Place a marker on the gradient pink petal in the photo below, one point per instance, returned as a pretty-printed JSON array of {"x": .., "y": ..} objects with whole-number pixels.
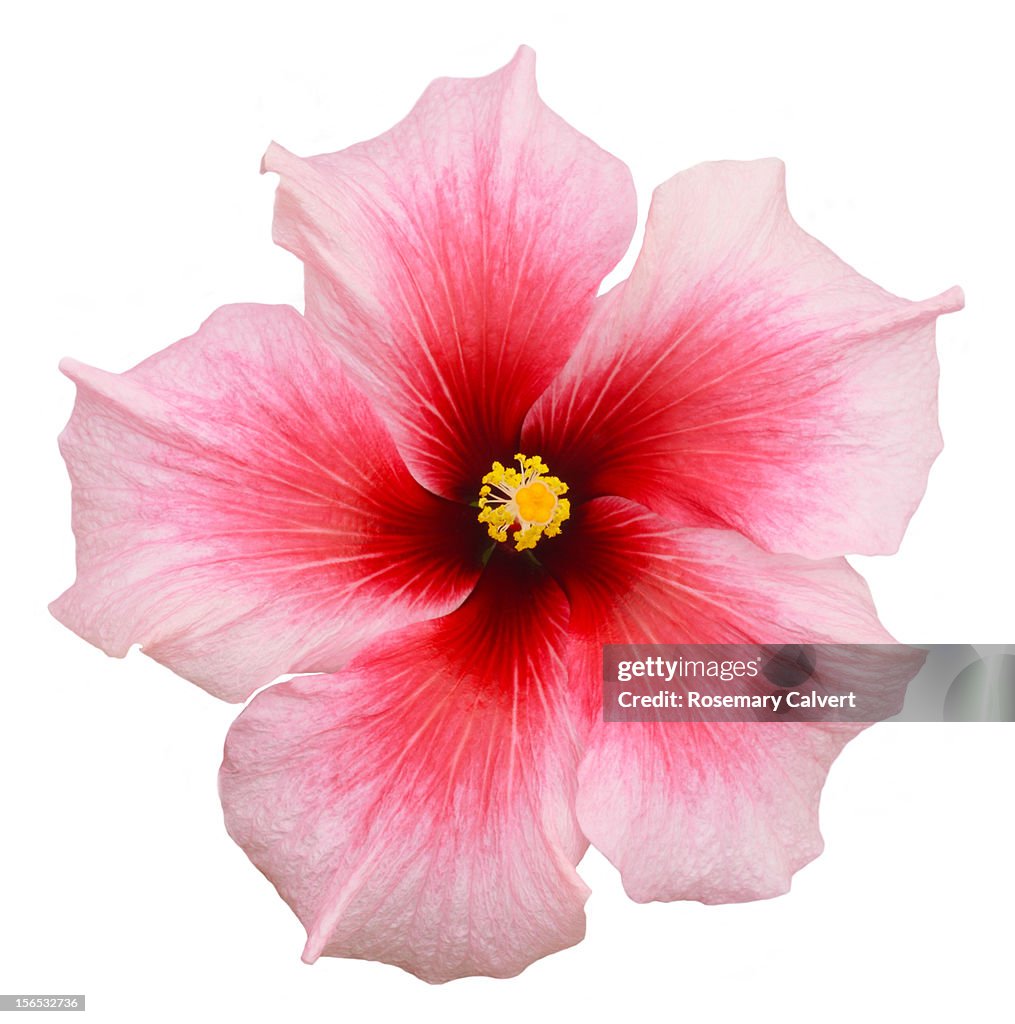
[
  {"x": 418, "y": 808},
  {"x": 240, "y": 512},
  {"x": 746, "y": 375},
  {"x": 713, "y": 812},
  {"x": 454, "y": 261}
]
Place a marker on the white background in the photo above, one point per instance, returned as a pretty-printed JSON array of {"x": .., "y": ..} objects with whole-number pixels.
[{"x": 132, "y": 207}]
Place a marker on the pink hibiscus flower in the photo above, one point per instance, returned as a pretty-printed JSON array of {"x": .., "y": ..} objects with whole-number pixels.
[{"x": 280, "y": 494}]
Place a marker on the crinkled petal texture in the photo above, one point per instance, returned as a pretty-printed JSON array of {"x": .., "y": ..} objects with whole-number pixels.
[
  {"x": 418, "y": 808},
  {"x": 747, "y": 375},
  {"x": 240, "y": 511},
  {"x": 454, "y": 261},
  {"x": 716, "y": 812}
]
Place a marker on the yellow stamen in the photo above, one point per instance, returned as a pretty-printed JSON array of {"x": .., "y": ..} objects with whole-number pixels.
[{"x": 527, "y": 498}]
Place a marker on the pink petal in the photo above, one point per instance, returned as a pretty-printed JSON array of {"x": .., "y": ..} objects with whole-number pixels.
[
  {"x": 712, "y": 812},
  {"x": 454, "y": 261},
  {"x": 418, "y": 808},
  {"x": 745, "y": 373},
  {"x": 240, "y": 511},
  {"x": 719, "y": 813}
]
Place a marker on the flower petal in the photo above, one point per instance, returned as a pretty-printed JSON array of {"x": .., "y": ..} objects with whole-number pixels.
[
  {"x": 745, "y": 372},
  {"x": 240, "y": 511},
  {"x": 455, "y": 259},
  {"x": 418, "y": 808},
  {"x": 721, "y": 811}
]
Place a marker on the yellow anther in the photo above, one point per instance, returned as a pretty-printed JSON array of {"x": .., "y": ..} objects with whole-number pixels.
[{"x": 523, "y": 504}]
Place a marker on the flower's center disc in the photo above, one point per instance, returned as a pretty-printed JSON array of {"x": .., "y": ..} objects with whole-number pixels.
[
  {"x": 535, "y": 502},
  {"x": 525, "y": 502}
]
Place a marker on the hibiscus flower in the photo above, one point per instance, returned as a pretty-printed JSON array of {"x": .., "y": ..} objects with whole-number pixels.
[{"x": 462, "y": 472}]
